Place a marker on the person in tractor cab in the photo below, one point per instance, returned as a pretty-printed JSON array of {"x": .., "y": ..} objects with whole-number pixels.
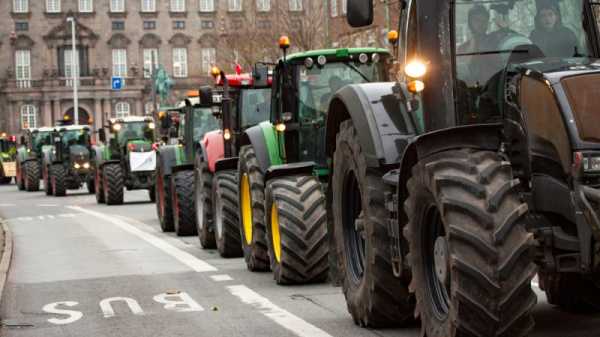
[
  {"x": 551, "y": 36},
  {"x": 479, "y": 21}
]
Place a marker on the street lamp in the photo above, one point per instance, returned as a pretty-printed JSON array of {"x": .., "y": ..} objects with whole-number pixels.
[{"x": 74, "y": 71}]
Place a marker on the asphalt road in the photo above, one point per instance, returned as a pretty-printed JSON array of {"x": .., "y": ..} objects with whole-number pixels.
[{"x": 80, "y": 269}]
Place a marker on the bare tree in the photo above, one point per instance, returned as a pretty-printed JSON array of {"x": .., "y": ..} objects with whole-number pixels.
[{"x": 307, "y": 28}]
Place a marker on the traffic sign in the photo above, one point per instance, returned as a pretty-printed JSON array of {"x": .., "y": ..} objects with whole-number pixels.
[{"x": 117, "y": 83}]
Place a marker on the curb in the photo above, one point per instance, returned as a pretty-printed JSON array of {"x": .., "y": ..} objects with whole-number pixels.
[{"x": 6, "y": 256}]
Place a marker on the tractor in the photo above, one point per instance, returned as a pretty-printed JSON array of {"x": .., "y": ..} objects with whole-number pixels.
[
  {"x": 29, "y": 157},
  {"x": 8, "y": 155},
  {"x": 283, "y": 165},
  {"x": 488, "y": 147},
  {"x": 186, "y": 126},
  {"x": 67, "y": 165},
  {"x": 126, "y": 160},
  {"x": 244, "y": 104}
]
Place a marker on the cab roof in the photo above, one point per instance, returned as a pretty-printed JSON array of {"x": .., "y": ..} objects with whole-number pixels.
[
  {"x": 72, "y": 127},
  {"x": 340, "y": 52},
  {"x": 42, "y": 129},
  {"x": 132, "y": 119}
]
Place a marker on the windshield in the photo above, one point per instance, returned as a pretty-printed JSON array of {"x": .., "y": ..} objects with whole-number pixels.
[
  {"x": 41, "y": 138},
  {"x": 75, "y": 137},
  {"x": 135, "y": 130},
  {"x": 204, "y": 121},
  {"x": 489, "y": 35},
  {"x": 256, "y": 106}
]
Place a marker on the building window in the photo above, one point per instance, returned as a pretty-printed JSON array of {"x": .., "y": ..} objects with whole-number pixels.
[
  {"x": 28, "y": 116},
  {"x": 207, "y": 5},
  {"x": 53, "y": 6},
  {"x": 23, "y": 68},
  {"x": 207, "y": 24},
  {"x": 178, "y": 24},
  {"x": 208, "y": 59},
  {"x": 86, "y": 6},
  {"x": 122, "y": 110},
  {"x": 117, "y": 6},
  {"x": 344, "y": 7},
  {"x": 68, "y": 66},
  {"x": 118, "y": 25},
  {"x": 296, "y": 5},
  {"x": 333, "y": 8},
  {"x": 148, "y": 5},
  {"x": 150, "y": 61},
  {"x": 21, "y": 26},
  {"x": 180, "y": 68},
  {"x": 119, "y": 59},
  {"x": 149, "y": 25},
  {"x": 263, "y": 24},
  {"x": 235, "y": 5},
  {"x": 263, "y": 5},
  {"x": 177, "y": 5},
  {"x": 20, "y": 6}
]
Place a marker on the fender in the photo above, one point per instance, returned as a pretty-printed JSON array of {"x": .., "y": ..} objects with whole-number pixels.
[
  {"x": 227, "y": 164},
  {"x": 213, "y": 148},
  {"x": 264, "y": 141},
  {"x": 384, "y": 125},
  {"x": 287, "y": 170},
  {"x": 169, "y": 158}
]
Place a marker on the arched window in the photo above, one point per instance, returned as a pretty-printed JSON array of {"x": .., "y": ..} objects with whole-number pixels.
[
  {"x": 28, "y": 116},
  {"x": 122, "y": 110}
]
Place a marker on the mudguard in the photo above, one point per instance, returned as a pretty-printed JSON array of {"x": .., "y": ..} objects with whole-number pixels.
[
  {"x": 227, "y": 164},
  {"x": 170, "y": 157},
  {"x": 263, "y": 139},
  {"x": 287, "y": 170},
  {"x": 213, "y": 148},
  {"x": 383, "y": 124}
]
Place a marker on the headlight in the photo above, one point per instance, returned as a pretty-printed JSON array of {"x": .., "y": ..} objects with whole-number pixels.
[
  {"x": 591, "y": 164},
  {"x": 86, "y": 165},
  {"x": 151, "y": 126},
  {"x": 76, "y": 166},
  {"x": 415, "y": 69},
  {"x": 116, "y": 127}
]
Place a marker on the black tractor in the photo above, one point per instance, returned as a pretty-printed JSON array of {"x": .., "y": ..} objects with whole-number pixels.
[
  {"x": 29, "y": 157},
  {"x": 490, "y": 151}
]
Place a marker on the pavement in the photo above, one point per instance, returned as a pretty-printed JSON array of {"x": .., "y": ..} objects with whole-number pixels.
[{"x": 82, "y": 269}]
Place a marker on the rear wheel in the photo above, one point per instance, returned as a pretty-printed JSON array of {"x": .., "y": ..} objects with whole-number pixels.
[
  {"x": 572, "y": 292},
  {"x": 203, "y": 198},
  {"x": 46, "y": 179},
  {"x": 226, "y": 218},
  {"x": 163, "y": 200},
  {"x": 99, "y": 190},
  {"x": 252, "y": 210},
  {"x": 184, "y": 212},
  {"x": 296, "y": 222},
  {"x": 469, "y": 250},
  {"x": 375, "y": 298},
  {"x": 32, "y": 176},
  {"x": 112, "y": 184},
  {"x": 58, "y": 175}
]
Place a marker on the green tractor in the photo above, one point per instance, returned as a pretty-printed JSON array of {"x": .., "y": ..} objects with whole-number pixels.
[
  {"x": 283, "y": 163},
  {"x": 126, "y": 160},
  {"x": 29, "y": 157},
  {"x": 67, "y": 164},
  {"x": 244, "y": 104},
  {"x": 490, "y": 154},
  {"x": 185, "y": 127},
  {"x": 8, "y": 155}
]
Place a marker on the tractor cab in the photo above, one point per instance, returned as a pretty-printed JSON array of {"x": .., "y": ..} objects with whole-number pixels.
[
  {"x": 130, "y": 134},
  {"x": 72, "y": 146},
  {"x": 195, "y": 117}
]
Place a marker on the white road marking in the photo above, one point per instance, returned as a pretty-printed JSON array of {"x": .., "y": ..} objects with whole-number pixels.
[
  {"x": 186, "y": 258},
  {"x": 73, "y": 314},
  {"x": 47, "y": 205},
  {"x": 108, "y": 310},
  {"x": 179, "y": 302},
  {"x": 293, "y": 323},
  {"x": 7, "y": 205},
  {"x": 221, "y": 278},
  {"x": 42, "y": 217}
]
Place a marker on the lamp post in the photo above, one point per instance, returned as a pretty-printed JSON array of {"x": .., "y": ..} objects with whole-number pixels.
[{"x": 74, "y": 71}]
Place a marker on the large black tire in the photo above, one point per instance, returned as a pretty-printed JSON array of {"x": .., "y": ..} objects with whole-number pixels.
[
  {"x": 99, "y": 189},
  {"x": 184, "y": 210},
  {"x": 375, "y": 298},
  {"x": 46, "y": 180},
  {"x": 20, "y": 177},
  {"x": 470, "y": 253},
  {"x": 203, "y": 198},
  {"x": 152, "y": 193},
  {"x": 113, "y": 183},
  {"x": 296, "y": 220},
  {"x": 32, "y": 176},
  {"x": 164, "y": 208},
  {"x": 58, "y": 175},
  {"x": 571, "y": 292},
  {"x": 226, "y": 217},
  {"x": 252, "y": 211}
]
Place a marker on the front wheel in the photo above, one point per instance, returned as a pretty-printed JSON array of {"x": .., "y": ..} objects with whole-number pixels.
[
  {"x": 112, "y": 183},
  {"x": 226, "y": 223},
  {"x": 204, "y": 200},
  {"x": 184, "y": 212},
  {"x": 469, "y": 250},
  {"x": 46, "y": 179},
  {"x": 163, "y": 200},
  {"x": 99, "y": 190},
  {"x": 296, "y": 221},
  {"x": 32, "y": 176},
  {"x": 19, "y": 177},
  {"x": 58, "y": 175}
]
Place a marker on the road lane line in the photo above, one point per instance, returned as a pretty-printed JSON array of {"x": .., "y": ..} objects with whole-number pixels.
[
  {"x": 289, "y": 321},
  {"x": 186, "y": 258},
  {"x": 221, "y": 278}
]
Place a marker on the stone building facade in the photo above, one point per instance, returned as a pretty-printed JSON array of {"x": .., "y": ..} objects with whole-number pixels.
[{"x": 114, "y": 38}]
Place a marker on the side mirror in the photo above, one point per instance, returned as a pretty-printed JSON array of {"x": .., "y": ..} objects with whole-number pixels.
[
  {"x": 360, "y": 13},
  {"x": 102, "y": 135},
  {"x": 206, "y": 96},
  {"x": 261, "y": 75}
]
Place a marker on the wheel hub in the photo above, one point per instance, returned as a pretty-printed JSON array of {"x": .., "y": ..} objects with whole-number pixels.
[{"x": 441, "y": 259}]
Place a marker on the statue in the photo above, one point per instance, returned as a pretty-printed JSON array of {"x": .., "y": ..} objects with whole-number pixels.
[{"x": 163, "y": 83}]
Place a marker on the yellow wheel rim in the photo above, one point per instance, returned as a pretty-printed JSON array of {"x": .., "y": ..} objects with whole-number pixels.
[
  {"x": 246, "y": 209},
  {"x": 275, "y": 232}
]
